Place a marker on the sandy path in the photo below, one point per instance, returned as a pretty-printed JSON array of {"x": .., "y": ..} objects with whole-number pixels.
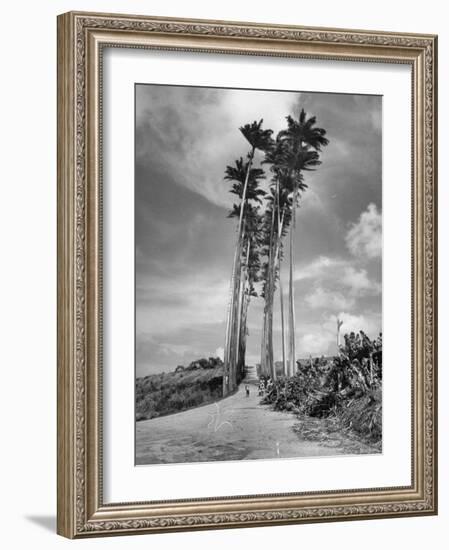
[{"x": 234, "y": 428}]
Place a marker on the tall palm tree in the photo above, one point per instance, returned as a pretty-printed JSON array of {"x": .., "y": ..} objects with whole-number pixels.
[
  {"x": 295, "y": 150},
  {"x": 245, "y": 186},
  {"x": 304, "y": 142},
  {"x": 278, "y": 214},
  {"x": 281, "y": 229},
  {"x": 245, "y": 183},
  {"x": 250, "y": 276}
]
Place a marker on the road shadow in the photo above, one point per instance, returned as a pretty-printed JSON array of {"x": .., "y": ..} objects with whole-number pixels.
[{"x": 46, "y": 522}]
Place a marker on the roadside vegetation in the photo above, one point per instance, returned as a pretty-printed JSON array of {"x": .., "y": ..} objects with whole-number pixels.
[
  {"x": 167, "y": 393},
  {"x": 346, "y": 389}
]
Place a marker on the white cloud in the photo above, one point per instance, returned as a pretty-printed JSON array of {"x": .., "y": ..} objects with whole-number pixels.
[
  {"x": 315, "y": 344},
  {"x": 165, "y": 305},
  {"x": 201, "y": 159},
  {"x": 322, "y": 267},
  {"x": 337, "y": 284},
  {"x": 321, "y": 338},
  {"x": 358, "y": 282},
  {"x": 322, "y": 298},
  {"x": 364, "y": 238},
  {"x": 371, "y": 324}
]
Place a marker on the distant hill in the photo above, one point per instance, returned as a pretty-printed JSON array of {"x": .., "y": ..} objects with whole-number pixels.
[{"x": 168, "y": 393}]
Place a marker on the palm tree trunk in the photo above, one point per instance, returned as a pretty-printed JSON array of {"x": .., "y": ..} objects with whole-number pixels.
[
  {"x": 269, "y": 304},
  {"x": 243, "y": 333},
  {"x": 284, "y": 350},
  {"x": 270, "y": 352},
  {"x": 270, "y": 359},
  {"x": 236, "y": 325},
  {"x": 280, "y": 227},
  {"x": 292, "y": 345},
  {"x": 229, "y": 356},
  {"x": 263, "y": 365},
  {"x": 226, "y": 358},
  {"x": 231, "y": 353},
  {"x": 238, "y": 307},
  {"x": 241, "y": 325},
  {"x": 273, "y": 268}
]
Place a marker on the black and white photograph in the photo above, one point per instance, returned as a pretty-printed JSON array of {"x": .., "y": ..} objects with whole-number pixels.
[
  {"x": 223, "y": 288},
  {"x": 258, "y": 274}
]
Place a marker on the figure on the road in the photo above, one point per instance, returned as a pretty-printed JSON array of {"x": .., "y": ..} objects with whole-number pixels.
[{"x": 247, "y": 390}]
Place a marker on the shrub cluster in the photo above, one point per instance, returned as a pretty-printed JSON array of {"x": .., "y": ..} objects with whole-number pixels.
[{"x": 348, "y": 386}]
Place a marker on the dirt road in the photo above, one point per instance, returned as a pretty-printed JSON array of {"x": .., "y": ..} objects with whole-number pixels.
[{"x": 234, "y": 428}]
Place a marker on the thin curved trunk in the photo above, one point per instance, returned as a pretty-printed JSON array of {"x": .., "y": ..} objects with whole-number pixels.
[
  {"x": 241, "y": 322},
  {"x": 273, "y": 267},
  {"x": 227, "y": 338},
  {"x": 234, "y": 342},
  {"x": 284, "y": 344},
  {"x": 270, "y": 353},
  {"x": 237, "y": 298},
  {"x": 243, "y": 332},
  {"x": 263, "y": 361},
  {"x": 292, "y": 344},
  {"x": 281, "y": 295},
  {"x": 268, "y": 344}
]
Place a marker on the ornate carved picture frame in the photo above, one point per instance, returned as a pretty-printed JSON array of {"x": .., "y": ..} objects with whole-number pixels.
[{"x": 83, "y": 510}]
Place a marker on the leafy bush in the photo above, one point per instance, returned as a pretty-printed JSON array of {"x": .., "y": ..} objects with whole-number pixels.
[
  {"x": 364, "y": 415},
  {"x": 204, "y": 363},
  {"x": 348, "y": 386}
]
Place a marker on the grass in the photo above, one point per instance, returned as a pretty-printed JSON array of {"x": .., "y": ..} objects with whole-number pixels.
[
  {"x": 330, "y": 432},
  {"x": 168, "y": 393}
]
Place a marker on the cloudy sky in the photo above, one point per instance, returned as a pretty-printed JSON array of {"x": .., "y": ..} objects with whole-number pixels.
[{"x": 185, "y": 137}]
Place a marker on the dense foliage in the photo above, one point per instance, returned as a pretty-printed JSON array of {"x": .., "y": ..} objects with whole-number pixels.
[{"x": 348, "y": 386}]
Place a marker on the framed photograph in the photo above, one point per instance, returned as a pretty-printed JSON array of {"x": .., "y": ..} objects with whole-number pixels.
[{"x": 247, "y": 313}]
